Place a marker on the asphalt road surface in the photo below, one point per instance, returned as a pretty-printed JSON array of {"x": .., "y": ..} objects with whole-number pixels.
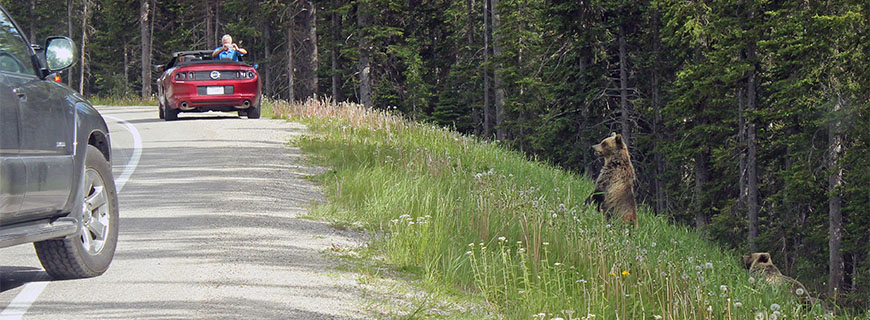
[{"x": 209, "y": 230}]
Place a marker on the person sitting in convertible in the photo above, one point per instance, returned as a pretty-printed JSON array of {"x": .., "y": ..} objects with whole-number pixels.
[{"x": 228, "y": 50}]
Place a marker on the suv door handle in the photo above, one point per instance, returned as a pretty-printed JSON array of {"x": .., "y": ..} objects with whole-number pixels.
[{"x": 20, "y": 93}]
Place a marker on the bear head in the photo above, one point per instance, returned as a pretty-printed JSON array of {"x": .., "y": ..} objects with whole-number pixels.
[
  {"x": 757, "y": 260},
  {"x": 610, "y": 146}
]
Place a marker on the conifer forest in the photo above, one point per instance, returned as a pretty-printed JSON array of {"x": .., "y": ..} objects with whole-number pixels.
[{"x": 747, "y": 120}]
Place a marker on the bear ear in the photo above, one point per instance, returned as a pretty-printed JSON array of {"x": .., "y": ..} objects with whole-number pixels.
[
  {"x": 747, "y": 261},
  {"x": 613, "y": 134},
  {"x": 618, "y": 138}
]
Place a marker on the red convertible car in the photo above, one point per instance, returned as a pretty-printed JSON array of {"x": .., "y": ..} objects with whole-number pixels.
[{"x": 193, "y": 81}]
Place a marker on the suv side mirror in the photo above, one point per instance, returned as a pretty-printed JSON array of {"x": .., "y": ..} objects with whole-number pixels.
[
  {"x": 159, "y": 68},
  {"x": 59, "y": 53}
]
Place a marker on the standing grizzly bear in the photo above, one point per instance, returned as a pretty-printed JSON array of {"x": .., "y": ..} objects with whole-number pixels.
[{"x": 614, "y": 188}]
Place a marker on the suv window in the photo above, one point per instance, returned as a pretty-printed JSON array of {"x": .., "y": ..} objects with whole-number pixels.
[{"x": 14, "y": 50}]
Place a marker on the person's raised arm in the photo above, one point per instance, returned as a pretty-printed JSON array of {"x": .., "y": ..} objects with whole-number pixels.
[
  {"x": 218, "y": 50},
  {"x": 240, "y": 50}
]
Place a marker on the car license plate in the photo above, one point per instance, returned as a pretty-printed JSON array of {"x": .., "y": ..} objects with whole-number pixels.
[{"x": 214, "y": 90}]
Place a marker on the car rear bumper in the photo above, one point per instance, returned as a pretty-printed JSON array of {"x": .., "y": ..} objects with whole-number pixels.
[{"x": 193, "y": 95}]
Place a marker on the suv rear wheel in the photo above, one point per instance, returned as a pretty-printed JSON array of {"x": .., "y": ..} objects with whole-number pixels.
[{"x": 88, "y": 253}]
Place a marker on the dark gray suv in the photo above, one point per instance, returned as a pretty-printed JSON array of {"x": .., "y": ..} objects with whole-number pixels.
[{"x": 56, "y": 184}]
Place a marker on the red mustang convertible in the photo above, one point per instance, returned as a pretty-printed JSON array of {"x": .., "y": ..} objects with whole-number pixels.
[{"x": 193, "y": 81}]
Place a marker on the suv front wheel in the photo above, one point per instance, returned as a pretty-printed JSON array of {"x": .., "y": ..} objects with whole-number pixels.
[{"x": 88, "y": 253}]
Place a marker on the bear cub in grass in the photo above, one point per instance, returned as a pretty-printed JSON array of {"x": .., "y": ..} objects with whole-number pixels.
[
  {"x": 761, "y": 267},
  {"x": 614, "y": 188}
]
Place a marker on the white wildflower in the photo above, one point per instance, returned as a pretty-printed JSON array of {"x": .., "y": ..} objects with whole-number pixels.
[
  {"x": 774, "y": 307},
  {"x": 708, "y": 265},
  {"x": 502, "y": 239},
  {"x": 800, "y": 291},
  {"x": 723, "y": 287},
  {"x": 738, "y": 304},
  {"x": 468, "y": 252},
  {"x": 759, "y": 316}
]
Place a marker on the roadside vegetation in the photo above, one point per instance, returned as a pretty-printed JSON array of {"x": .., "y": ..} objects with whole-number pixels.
[
  {"x": 129, "y": 100},
  {"x": 468, "y": 214}
]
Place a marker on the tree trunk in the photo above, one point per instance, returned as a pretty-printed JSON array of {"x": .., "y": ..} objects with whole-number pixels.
[
  {"x": 475, "y": 110},
  {"x": 210, "y": 40},
  {"x": 500, "y": 130},
  {"x": 487, "y": 110},
  {"x": 336, "y": 40},
  {"x": 835, "y": 215},
  {"x": 365, "y": 85},
  {"x": 291, "y": 68},
  {"x": 85, "y": 13},
  {"x": 33, "y": 19},
  {"x": 145, "y": 35},
  {"x": 659, "y": 183},
  {"x": 70, "y": 35},
  {"x": 217, "y": 21},
  {"x": 307, "y": 68},
  {"x": 701, "y": 176},
  {"x": 751, "y": 151},
  {"x": 126, "y": 68},
  {"x": 623, "y": 89},
  {"x": 267, "y": 63}
]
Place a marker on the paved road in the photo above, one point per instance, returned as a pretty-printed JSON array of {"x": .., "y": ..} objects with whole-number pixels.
[{"x": 208, "y": 229}]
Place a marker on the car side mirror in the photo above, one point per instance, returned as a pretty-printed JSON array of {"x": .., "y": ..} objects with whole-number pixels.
[
  {"x": 59, "y": 53},
  {"x": 159, "y": 68}
]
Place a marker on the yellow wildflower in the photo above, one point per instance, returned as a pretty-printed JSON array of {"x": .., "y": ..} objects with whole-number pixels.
[{"x": 625, "y": 273}]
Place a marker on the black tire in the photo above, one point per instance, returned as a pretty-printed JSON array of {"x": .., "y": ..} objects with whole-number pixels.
[
  {"x": 68, "y": 258},
  {"x": 160, "y": 111},
  {"x": 170, "y": 114},
  {"x": 253, "y": 112}
]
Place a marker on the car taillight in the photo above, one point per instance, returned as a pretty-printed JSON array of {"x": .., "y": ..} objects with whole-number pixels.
[
  {"x": 244, "y": 74},
  {"x": 190, "y": 75},
  {"x": 179, "y": 76},
  {"x": 57, "y": 78}
]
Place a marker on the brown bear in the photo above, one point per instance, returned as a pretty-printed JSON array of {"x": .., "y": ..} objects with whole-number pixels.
[
  {"x": 761, "y": 267},
  {"x": 614, "y": 188}
]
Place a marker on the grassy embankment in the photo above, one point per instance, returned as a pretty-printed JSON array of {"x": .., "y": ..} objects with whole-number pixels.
[
  {"x": 472, "y": 215},
  {"x": 131, "y": 100}
]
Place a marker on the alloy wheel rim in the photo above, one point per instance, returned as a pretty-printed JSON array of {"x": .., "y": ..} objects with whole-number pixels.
[{"x": 95, "y": 213}]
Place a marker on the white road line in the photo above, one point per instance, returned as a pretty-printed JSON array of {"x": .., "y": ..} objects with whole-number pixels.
[
  {"x": 16, "y": 309},
  {"x": 134, "y": 159},
  {"x": 19, "y": 305}
]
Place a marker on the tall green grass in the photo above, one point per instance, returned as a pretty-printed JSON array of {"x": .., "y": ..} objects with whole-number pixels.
[
  {"x": 130, "y": 100},
  {"x": 476, "y": 216}
]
